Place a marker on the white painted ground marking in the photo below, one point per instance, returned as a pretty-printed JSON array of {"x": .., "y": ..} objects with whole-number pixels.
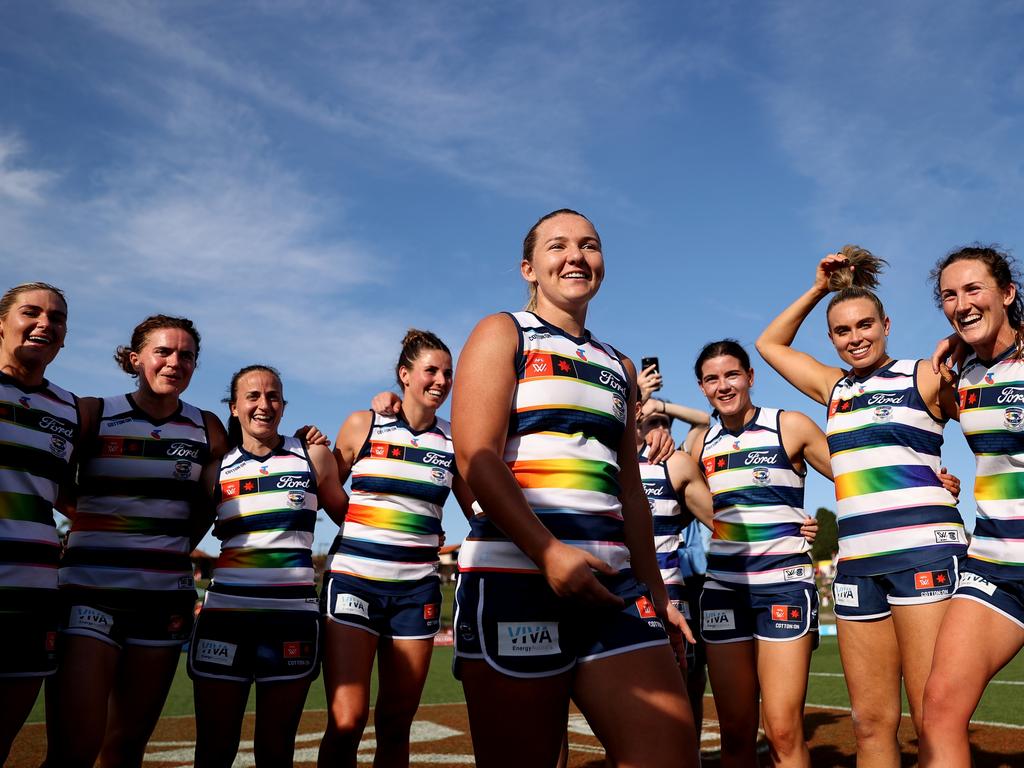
[{"x": 990, "y": 682}]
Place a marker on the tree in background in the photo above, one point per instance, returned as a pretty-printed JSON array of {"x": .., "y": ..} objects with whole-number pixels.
[{"x": 827, "y": 542}]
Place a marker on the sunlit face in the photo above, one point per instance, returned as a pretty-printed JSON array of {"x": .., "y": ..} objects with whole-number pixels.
[
  {"x": 33, "y": 330},
  {"x": 726, "y": 384},
  {"x": 567, "y": 265},
  {"x": 858, "y": 333},
  {"x": 429, "y": 380},
  {"x": 166, "y": 362},
  {"x": 974, "y": 303},
  {"x": 258, "y": 404}
]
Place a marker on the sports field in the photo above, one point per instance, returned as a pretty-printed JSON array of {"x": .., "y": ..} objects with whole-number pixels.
[{"x": 441, "y": 736}]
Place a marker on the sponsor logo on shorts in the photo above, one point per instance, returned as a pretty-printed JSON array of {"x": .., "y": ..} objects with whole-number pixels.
[
  {"x": 431, "y": 611},
  {"x": 931, "y": 579},
  {"x": 683, "y": 607},
  {"x": 176, "y": 623},
  {"x": 786, "y": 613},
  {"x": 84, "y": 617},
  {"x": 645, "y": 608},
  {"x": 951, "y": 536},
  {"x": 346, "y": 603},
  {"x": 846, "y": 595},
  {"x": 516, "y": 639},
  {"x": 216, "y": 652},
  {"x": 50, "y": 642},
  {"x": 296, "y": 649},
  {"x": 797, "y": 573},
  {"x": 719, "y": 619},
  {"x": 974, "y": 581}
]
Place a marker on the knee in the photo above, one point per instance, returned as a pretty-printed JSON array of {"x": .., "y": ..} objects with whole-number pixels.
[
  {"x": 785, "y": 735},
  {"x": 942, "y": 708},
  {"x": 875, "y": 724},
  {"x": 393, "y": 722},
  {"x": 345, "y": 719}
]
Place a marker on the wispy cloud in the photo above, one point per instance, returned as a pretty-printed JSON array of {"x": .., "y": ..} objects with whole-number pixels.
[{"x": 17, "y": 183}]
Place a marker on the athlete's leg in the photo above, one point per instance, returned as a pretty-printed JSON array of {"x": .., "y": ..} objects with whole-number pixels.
[
  {"x": 732, "y": 668},
  {"x": 636, "y": 703},
  {"x": 278, "y": 711},
  {"x": 402, "y": 667},
  {"x": 871, "y": 665},
  {"x": 348, "y": 663},
  {"x": 696, "y": 682},
  {"x": 220, "y": 708},
  {"x": 974, "y": 643},
  {"x": 17, "y": 695},
  {"x": 85, "y": 677},
  {"x": 514, "y": 721},
  {"x": 782, "y": 669},
  {"x": 144, "y": 677},
  {"x": 917, "y": 627}
]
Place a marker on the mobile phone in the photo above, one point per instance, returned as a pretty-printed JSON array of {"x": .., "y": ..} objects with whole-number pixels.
[{"x": 647, "y": 362}]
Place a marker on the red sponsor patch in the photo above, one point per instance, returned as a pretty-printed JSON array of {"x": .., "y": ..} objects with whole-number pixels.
[
  {"x": 794, "y": 613},
  {"x": 51, "y": 641},
  {"x": 931, "y": 579},
  {"x": 229, "y": 489},
  {"x": 430, "y": 611},
  {"x": 645, "y": 608},
  {"x": 378, "y": 450},
  {"x": 779, "y": 612},
  {"x": 175, "y": 624},
  {"x": 537, "y": 365},
  {"x": 292, "y": 650},
  {"x": 112, "y": 447}
]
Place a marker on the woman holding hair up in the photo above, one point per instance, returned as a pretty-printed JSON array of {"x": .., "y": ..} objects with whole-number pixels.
[
  {"x": 381, "y": 594},
  {"x": 560, "y": 595},
  {"x": 126, "y": 577},
  {"x": 984, "y": 627},
  {"x": 901, "y": 537},
  {"x": 40, "y": 427},
  {"x": 260, "y": 619}
]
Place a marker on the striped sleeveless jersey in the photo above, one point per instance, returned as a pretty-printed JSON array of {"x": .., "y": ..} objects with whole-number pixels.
[
  {"x": 266, "y": 512},
  {"x": 992, "y": 417},
  {"x": 567, "y": 420},
  {"x": 758, "y": 501},
  {"x": 400, "y": 482},
  {"x": 39, "y": 427},
  {"x": 667, "y": 514},
  {"x": 892, "y": 510},
  {"x": 137, "y": 485}
]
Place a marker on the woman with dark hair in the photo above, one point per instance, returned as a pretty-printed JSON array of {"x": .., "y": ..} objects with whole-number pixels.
[
  {"x": 560, "y": 595},
  {"x": 977, "y": 290},
  {"x": 759, "y": 606},
  {"x": 260, "y": 619},
  {"x": 126, "y": 578},
  {"x": 381, "y": 595},
  {"x": 901, "y": 537},
  {"x": 40, "y": 425}
]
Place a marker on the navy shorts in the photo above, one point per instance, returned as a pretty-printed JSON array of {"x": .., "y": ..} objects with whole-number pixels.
[
  {"x": 522, "y": 629},
  {"x": 28, "y": 638},
  {"x": 1003, "y": 596},
  {"x": 862, "y": 598},
  {"x": 411, "y": 614},
  {"x": 146, "y": 618},
  {"x": 255, "y": 645},
  {"x": 731, "y": 615}
]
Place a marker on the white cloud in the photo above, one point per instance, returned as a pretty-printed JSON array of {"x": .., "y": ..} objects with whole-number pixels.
[{"x": 19, "y": 184}]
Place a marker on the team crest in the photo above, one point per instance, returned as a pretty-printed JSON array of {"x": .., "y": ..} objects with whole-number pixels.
[
  {"x": 296, "y": 499},
  {"x": 57, "y": 445},
  {"x": 882, "y": 414},
  {"x": 437, "y": 476},
  {"x": 619, "y": 408},
  {"x": 1013, "y": 419},
  {"x": 183, "y": 470},
  {"x": 762, "y": 477}
]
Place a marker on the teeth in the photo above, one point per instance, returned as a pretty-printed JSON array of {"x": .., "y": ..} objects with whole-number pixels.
[
  {"x": 39, "y": 339},
  {"x": 574, "y": 275}
]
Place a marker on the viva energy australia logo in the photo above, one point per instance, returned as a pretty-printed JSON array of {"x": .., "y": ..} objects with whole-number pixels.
[{"x": 527, "y": 639}]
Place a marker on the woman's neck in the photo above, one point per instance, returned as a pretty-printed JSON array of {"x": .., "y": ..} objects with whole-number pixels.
[
  {"x": 736, "y": 421},
  {"x": 572, "y": 321},
  {"x": 157, "y": 406},
  {"x": 861, "y": 373},
  {"x": 25, "y": 375},
  {"x": 417, "y": 415},
  {"x": 260, "y": 447},
  {"x": 988, "y": 350}
]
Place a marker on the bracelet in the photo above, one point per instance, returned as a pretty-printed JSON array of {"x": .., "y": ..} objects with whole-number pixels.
[{"x": 662, "y": 405}]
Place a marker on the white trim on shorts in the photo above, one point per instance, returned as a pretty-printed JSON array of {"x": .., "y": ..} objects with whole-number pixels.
[
  {"x": 989, "y": 605},
  {"x": 620, "y": 651},
  {"x": 870, "y": 617},
  {"x": 46, "y": 673}
]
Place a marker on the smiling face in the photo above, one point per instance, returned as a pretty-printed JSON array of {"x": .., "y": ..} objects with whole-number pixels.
[
  {"x": 976, "y": 306},
  {"x": 32, "y": 331},
  {"x": 258, "y": 404},
  {"x": 567, "y": 266},
  {"x": 858, "y": 333},
  {"x": 166, "y": 362},
  {"x": 429, "y": 380},
  {"x": 726, "y": 384}
]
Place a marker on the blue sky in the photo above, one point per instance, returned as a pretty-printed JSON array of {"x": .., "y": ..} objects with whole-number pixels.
[{"x": 307, "y": 180}]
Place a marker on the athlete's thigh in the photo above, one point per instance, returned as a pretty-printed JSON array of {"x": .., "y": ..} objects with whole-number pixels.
[
  {"x": 732, "y": 669},
  {"x": 871, "y": 666},
  {"x": 637, "y": 705},
  {"x": 144, "y": 677},
  {"x": 917, "y": 628},
  {"x": 782, "y": 669},
  {"x": 974, "y": 643},
  {"x": 514, "y": 721},
  {"x": 402, "y": 667},
  {"x": 88, "y": 668},
  {"x": 348, "y": 664},
  {"x": 278, "y": 711},
  {"x": 220, "y": 708}
]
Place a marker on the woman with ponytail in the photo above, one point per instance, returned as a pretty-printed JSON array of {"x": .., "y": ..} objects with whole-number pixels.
[
  {"x": 977, "y": 289},
  {"x": 260, "y": 621},
  {"x": 381, "y": 595},
  {"x": 901, "y": 538},
  {"x": 126, "y": 577}
]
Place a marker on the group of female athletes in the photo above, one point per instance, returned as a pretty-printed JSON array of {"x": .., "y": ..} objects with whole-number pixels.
[{"x": 567, "y": 581}]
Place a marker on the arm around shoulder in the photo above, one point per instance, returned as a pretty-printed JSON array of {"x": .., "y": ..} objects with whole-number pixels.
[
  {"x": 330, "y": 494},
  {"x": 804, "y": 441}
]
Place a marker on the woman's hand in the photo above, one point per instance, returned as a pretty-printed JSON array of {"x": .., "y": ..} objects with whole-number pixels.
[
  {"x": 678, "y": 630},
  {"x": 648, "y": 381},
  {"x": 949, "y": 353},
  {"x": 659, "y": 441},
  {"x": 570, "y": 573},
  {"x": 825, "y": 268},
  {"x": 950, "y": 482},
  {"x": 386, "y": 403},
  {"x": 809, "y": 528},
  {"x": 309, "y": 434}
]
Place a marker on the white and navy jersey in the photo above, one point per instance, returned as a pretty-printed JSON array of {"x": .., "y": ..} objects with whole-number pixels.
[
  {"x": 567, "y": 421},
  {"x": 892, "y": 510},
  {"x": 137, "y": 487},
  {"x": 667, "y": 514},
  {"x": 992, "y": 417},
  {"x": 758, "y": 500},
  {"x": 400, "y": 482},
  {"x": 266, "y": 512},
  {"x": 38, "y": 430}
]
